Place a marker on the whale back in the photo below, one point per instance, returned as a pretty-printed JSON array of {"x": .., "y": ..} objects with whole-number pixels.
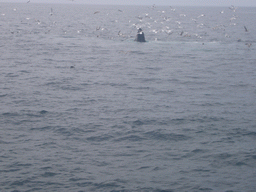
[{"x": 140, "y": 37}]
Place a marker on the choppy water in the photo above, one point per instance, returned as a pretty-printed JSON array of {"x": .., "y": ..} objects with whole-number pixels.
[{"x": 176, "y": 113}]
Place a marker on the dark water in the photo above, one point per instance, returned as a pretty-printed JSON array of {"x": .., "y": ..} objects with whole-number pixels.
[{"x": 85, "y": 108}]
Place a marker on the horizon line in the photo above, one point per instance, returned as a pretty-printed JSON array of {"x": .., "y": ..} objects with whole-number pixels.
[{"x": 79, "y": 3}]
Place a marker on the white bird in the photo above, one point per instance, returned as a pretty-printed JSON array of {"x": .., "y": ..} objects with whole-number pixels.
[
  {"x": 233, "y": 8},
  {"x": 248, "y": 44},
  {"x": 202, "y": 15},
  {"x": 51, "y": 13}
]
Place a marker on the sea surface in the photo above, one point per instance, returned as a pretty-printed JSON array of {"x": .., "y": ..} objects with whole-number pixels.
[{"x": 83, "y": 107}]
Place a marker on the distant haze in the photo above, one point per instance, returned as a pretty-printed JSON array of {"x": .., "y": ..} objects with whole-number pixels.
[{"x": 245, "y": 3}]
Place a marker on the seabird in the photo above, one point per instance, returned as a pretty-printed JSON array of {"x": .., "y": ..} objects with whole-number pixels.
[
  {"x": 233, "y": 8},
  {"x": 248, "y": 44},
  {"x": 246, "y": 30},
  {"x": 51, "y": 13}
]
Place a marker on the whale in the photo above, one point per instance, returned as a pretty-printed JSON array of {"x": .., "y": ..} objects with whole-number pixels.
[{"x": 140, "y": 37}]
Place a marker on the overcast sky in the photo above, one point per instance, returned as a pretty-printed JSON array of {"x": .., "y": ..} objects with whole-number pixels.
[{"x": 150, "y": 2}]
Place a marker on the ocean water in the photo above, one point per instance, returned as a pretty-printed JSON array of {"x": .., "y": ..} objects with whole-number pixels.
[{"x": 83, "y": 107}]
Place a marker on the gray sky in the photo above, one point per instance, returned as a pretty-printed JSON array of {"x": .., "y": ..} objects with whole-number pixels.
[{"x": 150, "y": 2}]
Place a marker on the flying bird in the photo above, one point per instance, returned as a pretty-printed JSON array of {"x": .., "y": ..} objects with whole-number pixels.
[
  {"x": 245, "y": 28},
  {"x": 51, "y": 13},
  {"x": 233, "y": 8},
  {"x": 248, "y": 44}
]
